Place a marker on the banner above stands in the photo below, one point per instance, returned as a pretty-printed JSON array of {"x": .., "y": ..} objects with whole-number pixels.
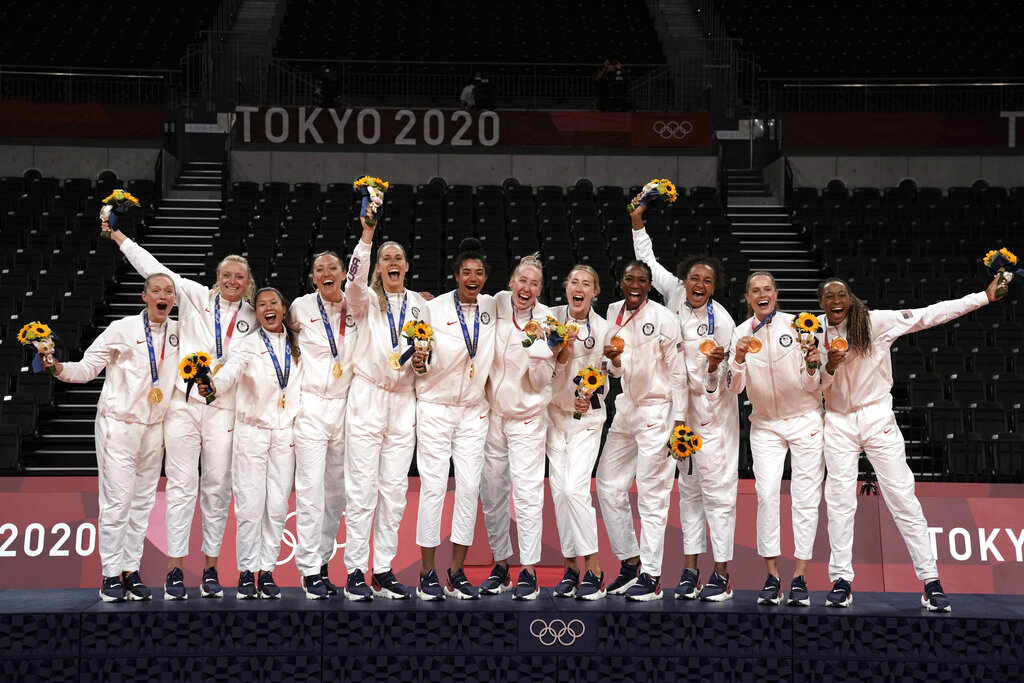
[
  {"x": 88, "y": 120},
  {"x": 946, "y": 131},
  {"x": 426, "y": 128}
]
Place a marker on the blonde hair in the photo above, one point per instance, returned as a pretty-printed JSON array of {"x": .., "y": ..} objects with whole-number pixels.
[
  {"x": 530, "y": 260},
  {"x": 153, "y": 276},
  {"x": 249, "y": 295},
  {"x": 589, "y": 270},
  {"x": 376, "y": 282}
]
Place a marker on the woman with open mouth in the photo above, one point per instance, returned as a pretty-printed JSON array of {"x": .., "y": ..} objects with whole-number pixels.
[
  {"x": 139, "y": 354},
  {"x": 267, "y": 373},
  {"x": 381, "y": 437},
  {"x": 451, "y": 418},
  {"x": 573, "y": 444},
  {"x": 859, "y": 417},
  {"x": 213, "y": 320},
  {"x": 327, "y": 334},
  {"x": 518, "y": 389},
  {"x": 708, "y": 495}
]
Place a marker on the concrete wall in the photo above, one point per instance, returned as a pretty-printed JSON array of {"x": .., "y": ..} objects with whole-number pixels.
[
  {"x": 66, "y": 161},
  {"x": 888, "y": 171}
]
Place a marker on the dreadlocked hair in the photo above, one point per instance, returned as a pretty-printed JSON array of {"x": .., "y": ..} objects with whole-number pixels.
[
  {"x": 858, "y": 319},
  {"x": 688, "y": 262},
  {"x": 293, "y": 340},
  {"x": 377, "y": 282},
  {"x": 746, "y": 288}
]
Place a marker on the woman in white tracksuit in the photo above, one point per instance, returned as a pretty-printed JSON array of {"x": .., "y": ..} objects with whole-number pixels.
[
  {"x": 573, "y": 445},
  {"x": 708, "y": 494},
  {"x": 327, "y": 335},
  {"x": 653, "y": 401},
  {"x": 267, "y": 371},
  {"x": 859, "y": 417},
  {"x": 518, "y": 390},
  {"x": 787, "y": 415},
  {"x": 451, "y": 417},
  {"x": 139, "y": 354},
  {"x": 213, "y": 320},
  {"x": 381, "y": 429}
]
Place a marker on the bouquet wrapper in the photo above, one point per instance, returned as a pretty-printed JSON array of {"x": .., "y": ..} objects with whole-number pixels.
[
  {"x": 201, "y": 374},
  {"x": 48, "y": 349},
  {"x": 1005, "y": 270},
  {"x": 372, "y": 201},
  {"x": 649, "y": 192},
  {"x": 112, "y": 214}
]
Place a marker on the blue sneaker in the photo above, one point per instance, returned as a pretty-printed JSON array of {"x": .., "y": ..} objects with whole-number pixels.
[
  {"x": 174, "y": 587},
  {"x": 591, "y": 587},
  {"x": 771, "y": 594},
  {"x": 356, "y": 589},
  {"x": 934, "y": 599},
  {"x": 332, "y": 590},
  {"x": 628, "y": 574},
  {"x": 386, "y": 585},
  {"x": 268, "y": 589},
  {"x": 841, "y": 594},
  {"x": 112, "y": 589},
  {"x": 646, "y": 588},
  {"x": 717, "y": 589},
  {"x": 460, "y": 587},
  {"x": 314, "y": 588},
  {"x": 210, "y": 587},
  {"x": 526, "y": 588},
  {"x": 246, "y": 586},
  {"x": 429, "y": 588},
  {"x": 500, "y": 581},
  {"x": 689, "y": 585},
  {"x": 566, "y": 588},
  {"x": 798, "y": 594},
  {"x": 134, "y": 588}
]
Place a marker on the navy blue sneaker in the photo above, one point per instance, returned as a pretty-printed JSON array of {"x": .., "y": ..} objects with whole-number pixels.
[
  {"x": 356, "y": 589},
  {"x": 566, "y": 588},
  {"x": 268, "y": 589},
  {"x": 332, "y": 590},
  {"x": 429, "y": 588},
  {"x": 646, "y": 588},
  {"x": 174, "y": 587},
  {"x": 717, "y": 589},
  {"x": 689, "y": 585},
  {"x": 526, "y": 588},
  {"x": 841, "y": 594},
  {"x": 628, "y": 574},
  {"x": 798, "y": 594},
  {"x": 112, "y": 589},
  {"x": 386, "y": 585},
  {"x": 210, "y": 587},
  {"x": 500, "y": 581},
  {"x": 771, "y": 594},
  {"x": 246, "y": 586},
  {"x": 134, "y": 588},
  {"x": 314, "y": 588},
  {"x": 460, "y": 587},
  {"x": 934, "y": 599},
  {"x": 591, "y": 587}
]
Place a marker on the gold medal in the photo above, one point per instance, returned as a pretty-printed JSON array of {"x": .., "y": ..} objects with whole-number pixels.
[
  {"x": 155, "y": 395},
  {"x": 707, "y": 346},
  {"x": 618, "y": 343},
  {"x": 840, "y": 344},
  {"x": 395, "y": 361},
  {"x": 282, "y": 401},
  {"x": 571, "y": 327},
  {"x": 216, "y": 369},
  {"x": 336, "y": 370},
  {"x": 530, "y": 328},
  {"x": 754, "y": 345},
  {"x": 472, "y": 369}
]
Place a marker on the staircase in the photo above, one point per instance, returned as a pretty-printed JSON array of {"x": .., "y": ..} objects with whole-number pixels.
[{"x": 242, "y": 62}]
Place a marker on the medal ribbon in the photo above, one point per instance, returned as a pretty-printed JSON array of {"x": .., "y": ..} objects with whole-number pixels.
[
  {"x": 282, "y": 377},
  {"x": 327, "y": 325},
  {"x": 216, "y": 325},
  {"x": 470, "y": 346},
  {"x": 391, "y": 320},
  {"x": 764, "y": 322},
  {"x": 711, "y": 318},
  {"x": 153, "y": 372},
  {"x": 516, "y": 322},
  {"x": 618, "y": 320}
]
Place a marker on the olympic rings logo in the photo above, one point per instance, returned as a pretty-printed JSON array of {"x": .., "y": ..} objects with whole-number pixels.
[
  {"x": 557, "y": 631},
  {"x": 673, "y": 129},
  {"x": 289, "y": 540}
]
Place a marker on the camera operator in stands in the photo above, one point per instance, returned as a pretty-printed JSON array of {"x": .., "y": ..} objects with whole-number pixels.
[
  {"x": 612, "y": 87},
  {"x": 479, "y": 94}
]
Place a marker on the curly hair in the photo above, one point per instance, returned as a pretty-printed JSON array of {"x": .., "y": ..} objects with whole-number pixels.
[
  {"x": 858, "y": 319},
  {"x": 687, "y": 264}
]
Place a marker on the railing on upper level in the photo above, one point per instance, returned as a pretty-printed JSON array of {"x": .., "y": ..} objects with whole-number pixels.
[{"x": 84, "y": 84}]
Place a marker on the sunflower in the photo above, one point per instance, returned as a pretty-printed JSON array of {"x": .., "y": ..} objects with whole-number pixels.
[
  {"x": 1008, "y": 255},
  {"x": 187, "y": 368},
  {"x": 680, "y": 432},
  {"x": 202, "y": 358},
  {"x": 423, "y": 330},
  {"x": 23, "y": 335},
  {"x": 592, "y": 378},
  {"x": 806, "y": 322},
  {"x": 128, "y": 197},
  {"x": 696, "y": 443},
  {"x": 40, "y": 330},
  {"x": 681, "y": 450},
  {"x": 666, "y": 188},
  {"x": 408, "y": 330}
]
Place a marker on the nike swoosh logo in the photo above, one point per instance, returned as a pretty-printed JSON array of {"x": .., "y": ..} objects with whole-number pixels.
[
  {"x": 814, "y": 433},
  {"x": 704, "y": 424},
  {"x": 453, "y": 322},
  {"x": 315, "y": 320},
  {"x": 527, "y": 422},
  {"x": 887, "y": 430},
  {"x": 263, "y": 353},
  {"x": 651, "y": 425},
  {"x": 591, "y": 429},
  {"x": 141, "y": 342},
  {"x": 247, "y": 583}
]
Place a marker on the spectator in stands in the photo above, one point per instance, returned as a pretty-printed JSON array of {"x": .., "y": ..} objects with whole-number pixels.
[
  {"x": 573, "y": 444},
  {"x": 267, "y": 369},
  {"x": 785, "y": 392},
  {"x": 377, "y": 459},
  {"x": 129, "y": 429},
  {"x": 213, "y": 320},
  {"x": 467, "y": 99},
  {"x": 478, "y": 94},
  {"x": 859, "y": 417},
  {"x": 519, "y": 391},
  {"x": 707, "y": 490},
  {"x": 612, "y": 87}
]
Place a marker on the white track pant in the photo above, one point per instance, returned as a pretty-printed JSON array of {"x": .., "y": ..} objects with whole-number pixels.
[
  {"x": 514, "y": 466},
  {"x": 128, "y": 459},
  {"x": 443, "y": 434},
  {"x": 636, "y": 448},
  {"x": 871, "y": 429},
  {"x": 319, "y": 480},
  {"x": 573, "y": 446},
  {"x": 263, "y": 471},
  {"x": 195, "y": 432},
  {"x": 769, "y": 439},
  {"x": 380, "y": 441},
  {"x": 708, "y": 495}
]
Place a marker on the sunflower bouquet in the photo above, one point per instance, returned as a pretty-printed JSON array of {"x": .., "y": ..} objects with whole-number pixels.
[
  {"x": 193, "y": 367},
  {"x": 589, "y": 385},
  {"x": 42, "y": 338},
  {"x": 114, "y": 206},
  {"x": 1004, "y": 264},
  {"x": 806, "y": 325},
  {"x": 682, "y": 443},
  {"x": 656, "y": 189},
  {"x": 373, "y": 197},
  {"x": 420, "y": 336},
  {"x": 558, "y": 334}
]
